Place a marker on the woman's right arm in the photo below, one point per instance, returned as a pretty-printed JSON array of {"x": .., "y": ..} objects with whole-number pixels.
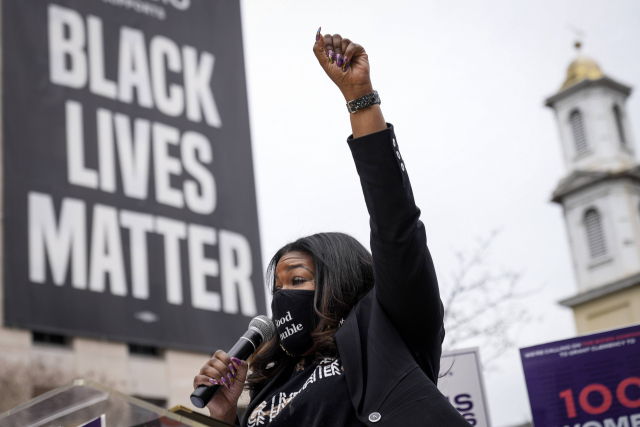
[
  {"x": 229, "y": 372},
  {"x": 405, "y": 279},
  {"x": 406, "y": 284}
]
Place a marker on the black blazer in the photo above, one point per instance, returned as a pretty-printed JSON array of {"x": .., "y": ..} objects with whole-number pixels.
[{"x": 390, "y": 343}]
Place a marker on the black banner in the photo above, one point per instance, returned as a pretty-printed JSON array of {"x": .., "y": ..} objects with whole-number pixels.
[{"x": 129, "y": 195}]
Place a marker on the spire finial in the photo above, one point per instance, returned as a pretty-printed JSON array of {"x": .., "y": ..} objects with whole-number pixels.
[
  {"x": 578, "y": 35},
  {"x": 582, "y": 68}
]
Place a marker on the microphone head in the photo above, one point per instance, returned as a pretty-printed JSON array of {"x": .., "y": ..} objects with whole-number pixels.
[{"x": 263, "y": 326}]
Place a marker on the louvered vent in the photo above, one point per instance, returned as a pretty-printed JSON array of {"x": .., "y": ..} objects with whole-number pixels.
[
  {"x": 618, "y": 116},
  {"x": 577, "y": 128},
  {"x": 595, "y": 234}
]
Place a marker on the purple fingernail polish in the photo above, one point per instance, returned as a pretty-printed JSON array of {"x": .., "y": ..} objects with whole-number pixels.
[
  {"x": 230, "y": 377},
  {"x": 214, "y": 382},
  {"x": 224, "y": 381},
  {"x": 339, "y": 60},
  {"x": 332, "y": 56},
  {"x": 318, "y": 34},
  {"x": 345, "y": 65},
  {"x": 232, "y": 369},
  {"x": 236, "y": 361}
]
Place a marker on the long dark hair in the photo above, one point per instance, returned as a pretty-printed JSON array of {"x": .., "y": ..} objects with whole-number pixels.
[{"x": 343, "y": 275}]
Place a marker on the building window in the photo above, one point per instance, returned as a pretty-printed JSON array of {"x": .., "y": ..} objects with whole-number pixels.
[
  {"x": 577, "y": 129},
  {"x": 145, "y": 350},
  {"x": 51, "y": 339},
  {"x": 617, "y": 114},
  {"x": 595, "y": 234}
]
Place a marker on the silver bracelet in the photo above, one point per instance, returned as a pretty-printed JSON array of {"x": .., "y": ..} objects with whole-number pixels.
[{"x": 364, "y": 102}]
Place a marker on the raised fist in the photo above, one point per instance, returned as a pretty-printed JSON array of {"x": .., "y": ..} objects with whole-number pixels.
[{"x": 346, "y": 63}]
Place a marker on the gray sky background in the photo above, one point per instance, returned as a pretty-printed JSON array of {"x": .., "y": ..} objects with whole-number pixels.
[{"x": 464, "y": 84}]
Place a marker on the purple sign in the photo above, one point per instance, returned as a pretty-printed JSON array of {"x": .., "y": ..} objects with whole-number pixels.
[
  {"x": 587, "y": 381},
  {"x": 98, "y": 422}
]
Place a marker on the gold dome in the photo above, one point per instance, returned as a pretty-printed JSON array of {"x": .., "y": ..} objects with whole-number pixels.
[{"x": 582, "y": 69}]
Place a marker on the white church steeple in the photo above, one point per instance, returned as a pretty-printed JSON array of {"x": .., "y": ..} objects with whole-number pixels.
[
  {"x": 601, "y": 191},
  {"x": 591, "y": 114}
]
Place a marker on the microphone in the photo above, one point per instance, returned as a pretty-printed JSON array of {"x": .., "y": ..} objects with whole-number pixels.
[{"x": 261, "y": 329}]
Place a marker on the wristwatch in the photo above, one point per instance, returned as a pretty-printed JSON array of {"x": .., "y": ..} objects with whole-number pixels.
[{"x": 364, "y": 102}]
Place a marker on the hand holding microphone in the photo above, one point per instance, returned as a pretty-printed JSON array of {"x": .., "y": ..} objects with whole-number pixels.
[{"x": 221, "y": 380}]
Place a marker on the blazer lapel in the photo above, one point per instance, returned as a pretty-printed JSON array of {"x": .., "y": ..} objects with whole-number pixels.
[{"x": 349, "y": 346}]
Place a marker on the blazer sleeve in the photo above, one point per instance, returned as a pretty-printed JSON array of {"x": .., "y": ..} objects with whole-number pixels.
[{"x": 405, "y": 280}]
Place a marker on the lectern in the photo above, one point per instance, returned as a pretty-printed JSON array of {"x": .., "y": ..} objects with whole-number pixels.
[{"x": 87, "y": 403}]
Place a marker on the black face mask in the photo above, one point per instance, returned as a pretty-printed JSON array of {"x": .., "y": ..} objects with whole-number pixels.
[{"x": 295, "y": 319}]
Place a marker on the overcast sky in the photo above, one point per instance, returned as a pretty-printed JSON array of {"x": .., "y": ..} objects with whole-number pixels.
[{"x": 464, "y": 84}]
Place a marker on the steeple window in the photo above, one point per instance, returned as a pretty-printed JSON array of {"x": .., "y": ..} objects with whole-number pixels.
[
  {"x": 595, "y": 234},
  {"x": 617, "y": 114},
  {"x": 579, "y": 135}
]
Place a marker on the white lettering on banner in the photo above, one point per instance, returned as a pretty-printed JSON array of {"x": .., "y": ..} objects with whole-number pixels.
[
  {"x": 106, "y": 252},
  {"x": 133, "y": 154},
  {"x": 173, "y": 231},
  {"x": 165, "y": 165},
  {"x": 139, "y": 225},
  {"x": 77, "y": 173},
  {"x": 197, "y": 76},
  {"x": 133, "y": 148},
  {"x": 133, "y": 68},
  {"x": 69, "y": 42},
  {"x": 236, "y": 273},
  {"x": 65, "y": 241},
  {"x": 60, "y": 244},
  {"x": 161, "y": 49},
  {"x": 152, "y": 72},
  {"x": 106, "y": 156},
  {"x": 61, "y": 48},
  {"x": 200, "y": 267},
  {"x": 194, "y": 146},
  {"x": 98, "y": 83}
]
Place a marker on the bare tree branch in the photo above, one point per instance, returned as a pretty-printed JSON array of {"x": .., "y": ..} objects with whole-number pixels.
[{"x": 481, "y": 304}]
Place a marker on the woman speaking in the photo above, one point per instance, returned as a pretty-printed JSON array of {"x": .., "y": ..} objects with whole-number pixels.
[{"x": 359, "y": 334}]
